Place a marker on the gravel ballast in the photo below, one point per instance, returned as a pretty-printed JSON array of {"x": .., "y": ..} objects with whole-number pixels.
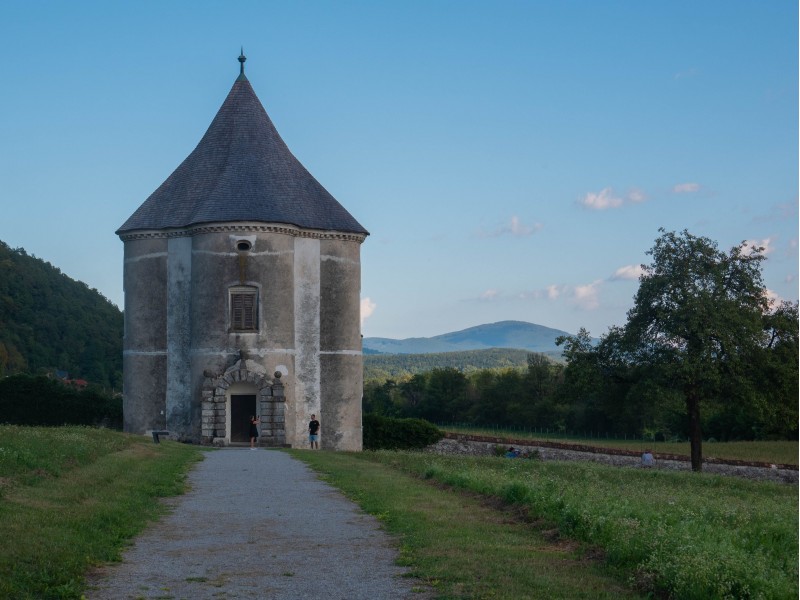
[{"x": 258, "y": 524}]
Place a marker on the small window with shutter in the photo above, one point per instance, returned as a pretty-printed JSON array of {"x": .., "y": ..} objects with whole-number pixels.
[{"x": 244, "y": 308}]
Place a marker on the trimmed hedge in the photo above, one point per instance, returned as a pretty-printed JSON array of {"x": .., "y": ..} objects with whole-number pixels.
[
  {"x": 386, "y": 433},
  {"x": 39, "y": 400}
]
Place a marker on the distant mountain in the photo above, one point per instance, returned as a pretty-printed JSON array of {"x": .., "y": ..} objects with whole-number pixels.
[{"x": 504, "y": 334}]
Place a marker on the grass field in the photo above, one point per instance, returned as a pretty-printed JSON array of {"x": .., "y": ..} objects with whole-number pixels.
[
  {"x": 461, "y": 546},
  {"x": 682, "y": 534},
  {"x": 71, "y": 497},
  {"x": 779, "y": 452}
]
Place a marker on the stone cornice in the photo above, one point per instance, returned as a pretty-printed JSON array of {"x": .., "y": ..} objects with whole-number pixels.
[{"x": 243, "y": 228}]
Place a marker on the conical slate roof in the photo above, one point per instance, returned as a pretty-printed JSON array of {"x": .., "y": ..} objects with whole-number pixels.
[{"x": 241, "y": 171}]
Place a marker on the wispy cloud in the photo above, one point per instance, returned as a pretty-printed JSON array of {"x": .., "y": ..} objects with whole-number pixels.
[
  {"x": 779, "y": 212},
  {"x": 367, "y": 308},
  {"x": 685, "y": 188},
  {"x": 628, "y": 272},
  {"x": 584, "y": 296},
  {"x": 602, "y": 200},
  {"x": 489, "y": 295},
  {"x": 515, "y": 228},
  {"x": 636, "y": 195},
  {"x": 606, "y": 199}
]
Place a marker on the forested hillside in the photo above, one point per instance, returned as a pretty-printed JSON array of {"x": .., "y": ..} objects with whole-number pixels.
[
  {"x": 394, "y": 366},
  {"x": 50, "y": 322}
]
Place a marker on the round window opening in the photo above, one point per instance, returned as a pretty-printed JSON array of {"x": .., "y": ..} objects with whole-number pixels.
[{"x": 243, "y": 246}]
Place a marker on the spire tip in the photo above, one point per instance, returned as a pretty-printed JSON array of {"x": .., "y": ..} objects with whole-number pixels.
[{"x": 242, "y": 58}]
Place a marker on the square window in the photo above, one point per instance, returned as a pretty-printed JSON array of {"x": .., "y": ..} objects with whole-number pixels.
[{"x": 244, "y": 309}]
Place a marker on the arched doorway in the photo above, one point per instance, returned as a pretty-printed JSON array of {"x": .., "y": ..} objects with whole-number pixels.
[{"x": 230, "y": 398}]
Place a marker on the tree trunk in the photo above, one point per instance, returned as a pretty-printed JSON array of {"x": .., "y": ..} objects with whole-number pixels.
[{"x": 695, "y": 432}]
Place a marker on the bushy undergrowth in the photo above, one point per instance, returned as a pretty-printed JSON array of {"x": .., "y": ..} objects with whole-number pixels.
[
  {"x": 38, "y": 400},
  {"x": 386, "y": 433},
  {"x": 692, "y": 536}
]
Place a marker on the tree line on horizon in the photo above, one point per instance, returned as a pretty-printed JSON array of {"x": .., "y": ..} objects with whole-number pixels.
[{"x": 704, "y": 354}]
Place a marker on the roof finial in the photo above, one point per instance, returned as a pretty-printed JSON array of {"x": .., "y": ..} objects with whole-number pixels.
[{"x": 242, "y": 58}]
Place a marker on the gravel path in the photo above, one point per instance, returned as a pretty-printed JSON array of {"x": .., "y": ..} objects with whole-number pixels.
[{"x": 258, "y": 524}]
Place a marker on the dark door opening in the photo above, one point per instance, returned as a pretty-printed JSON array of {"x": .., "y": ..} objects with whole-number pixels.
[{"x": 243, "y": 406}]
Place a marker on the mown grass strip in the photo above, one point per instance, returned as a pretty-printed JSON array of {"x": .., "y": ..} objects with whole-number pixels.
[
  {"x": 459, "y": 545},
  {"x": 773, "y": 452},
  {"x": 688, "y": 535},
  {"x": 58, "y": 523}
]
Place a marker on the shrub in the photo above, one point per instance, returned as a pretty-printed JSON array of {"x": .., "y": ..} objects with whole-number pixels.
[
  {"x": 386, "y": 433},
  {"x": 29, "y": 400}
]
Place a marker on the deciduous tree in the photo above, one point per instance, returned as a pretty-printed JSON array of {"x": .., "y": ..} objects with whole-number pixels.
[{"x": 697, "y": 318}]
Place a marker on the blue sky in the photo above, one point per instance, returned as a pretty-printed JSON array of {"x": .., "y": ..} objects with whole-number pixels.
[{"x": 511, "y": 159}]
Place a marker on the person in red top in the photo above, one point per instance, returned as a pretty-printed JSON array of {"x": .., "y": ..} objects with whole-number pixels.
[{"x": 313, "y": 432}]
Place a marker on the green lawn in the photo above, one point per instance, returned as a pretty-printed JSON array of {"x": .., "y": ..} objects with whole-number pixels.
[
  {"x": 687, "y": 535},
  {"x": 462, "y": 546},
  {"x": 468, "y": 527},
  {"x": 71, "y": 497}
]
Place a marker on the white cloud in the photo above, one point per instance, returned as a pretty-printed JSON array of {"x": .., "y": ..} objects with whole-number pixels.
[
  {"x": 554, "y": 291},
  {"x": 603, "y": 200},
  {"x": 773, "y": 297},
  {"x": 517, "y": 228},
  {"x": 489, "y": 295},
  {"x": 586, "y": 296},
  {"x": 628, "y": 272},
  {"x": 367, "y": 308},
  {"x": 766, "y": 244},
  {"x": 686, "y": 188}
]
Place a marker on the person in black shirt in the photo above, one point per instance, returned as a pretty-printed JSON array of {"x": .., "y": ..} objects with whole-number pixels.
[{"x": 313, "y": 432}]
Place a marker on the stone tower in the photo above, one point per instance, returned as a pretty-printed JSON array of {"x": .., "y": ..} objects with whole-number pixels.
[{"x": 242, "y": 279}]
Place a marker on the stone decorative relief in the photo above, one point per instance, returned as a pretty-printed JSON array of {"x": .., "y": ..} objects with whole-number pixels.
[{"x": 270, "y": 397}]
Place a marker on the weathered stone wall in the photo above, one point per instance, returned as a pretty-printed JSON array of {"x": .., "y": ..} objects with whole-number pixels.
[
  {"x": 217, "y": 266},
  {"x": 306, "y": 336},
  {"x": 179, "y": 339},
  {"x": 178, "y": 315},
  {"x": 144, "y": 355},
  {"x": 462, "y": 445},
  {"x": 341, "y": 361}
]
